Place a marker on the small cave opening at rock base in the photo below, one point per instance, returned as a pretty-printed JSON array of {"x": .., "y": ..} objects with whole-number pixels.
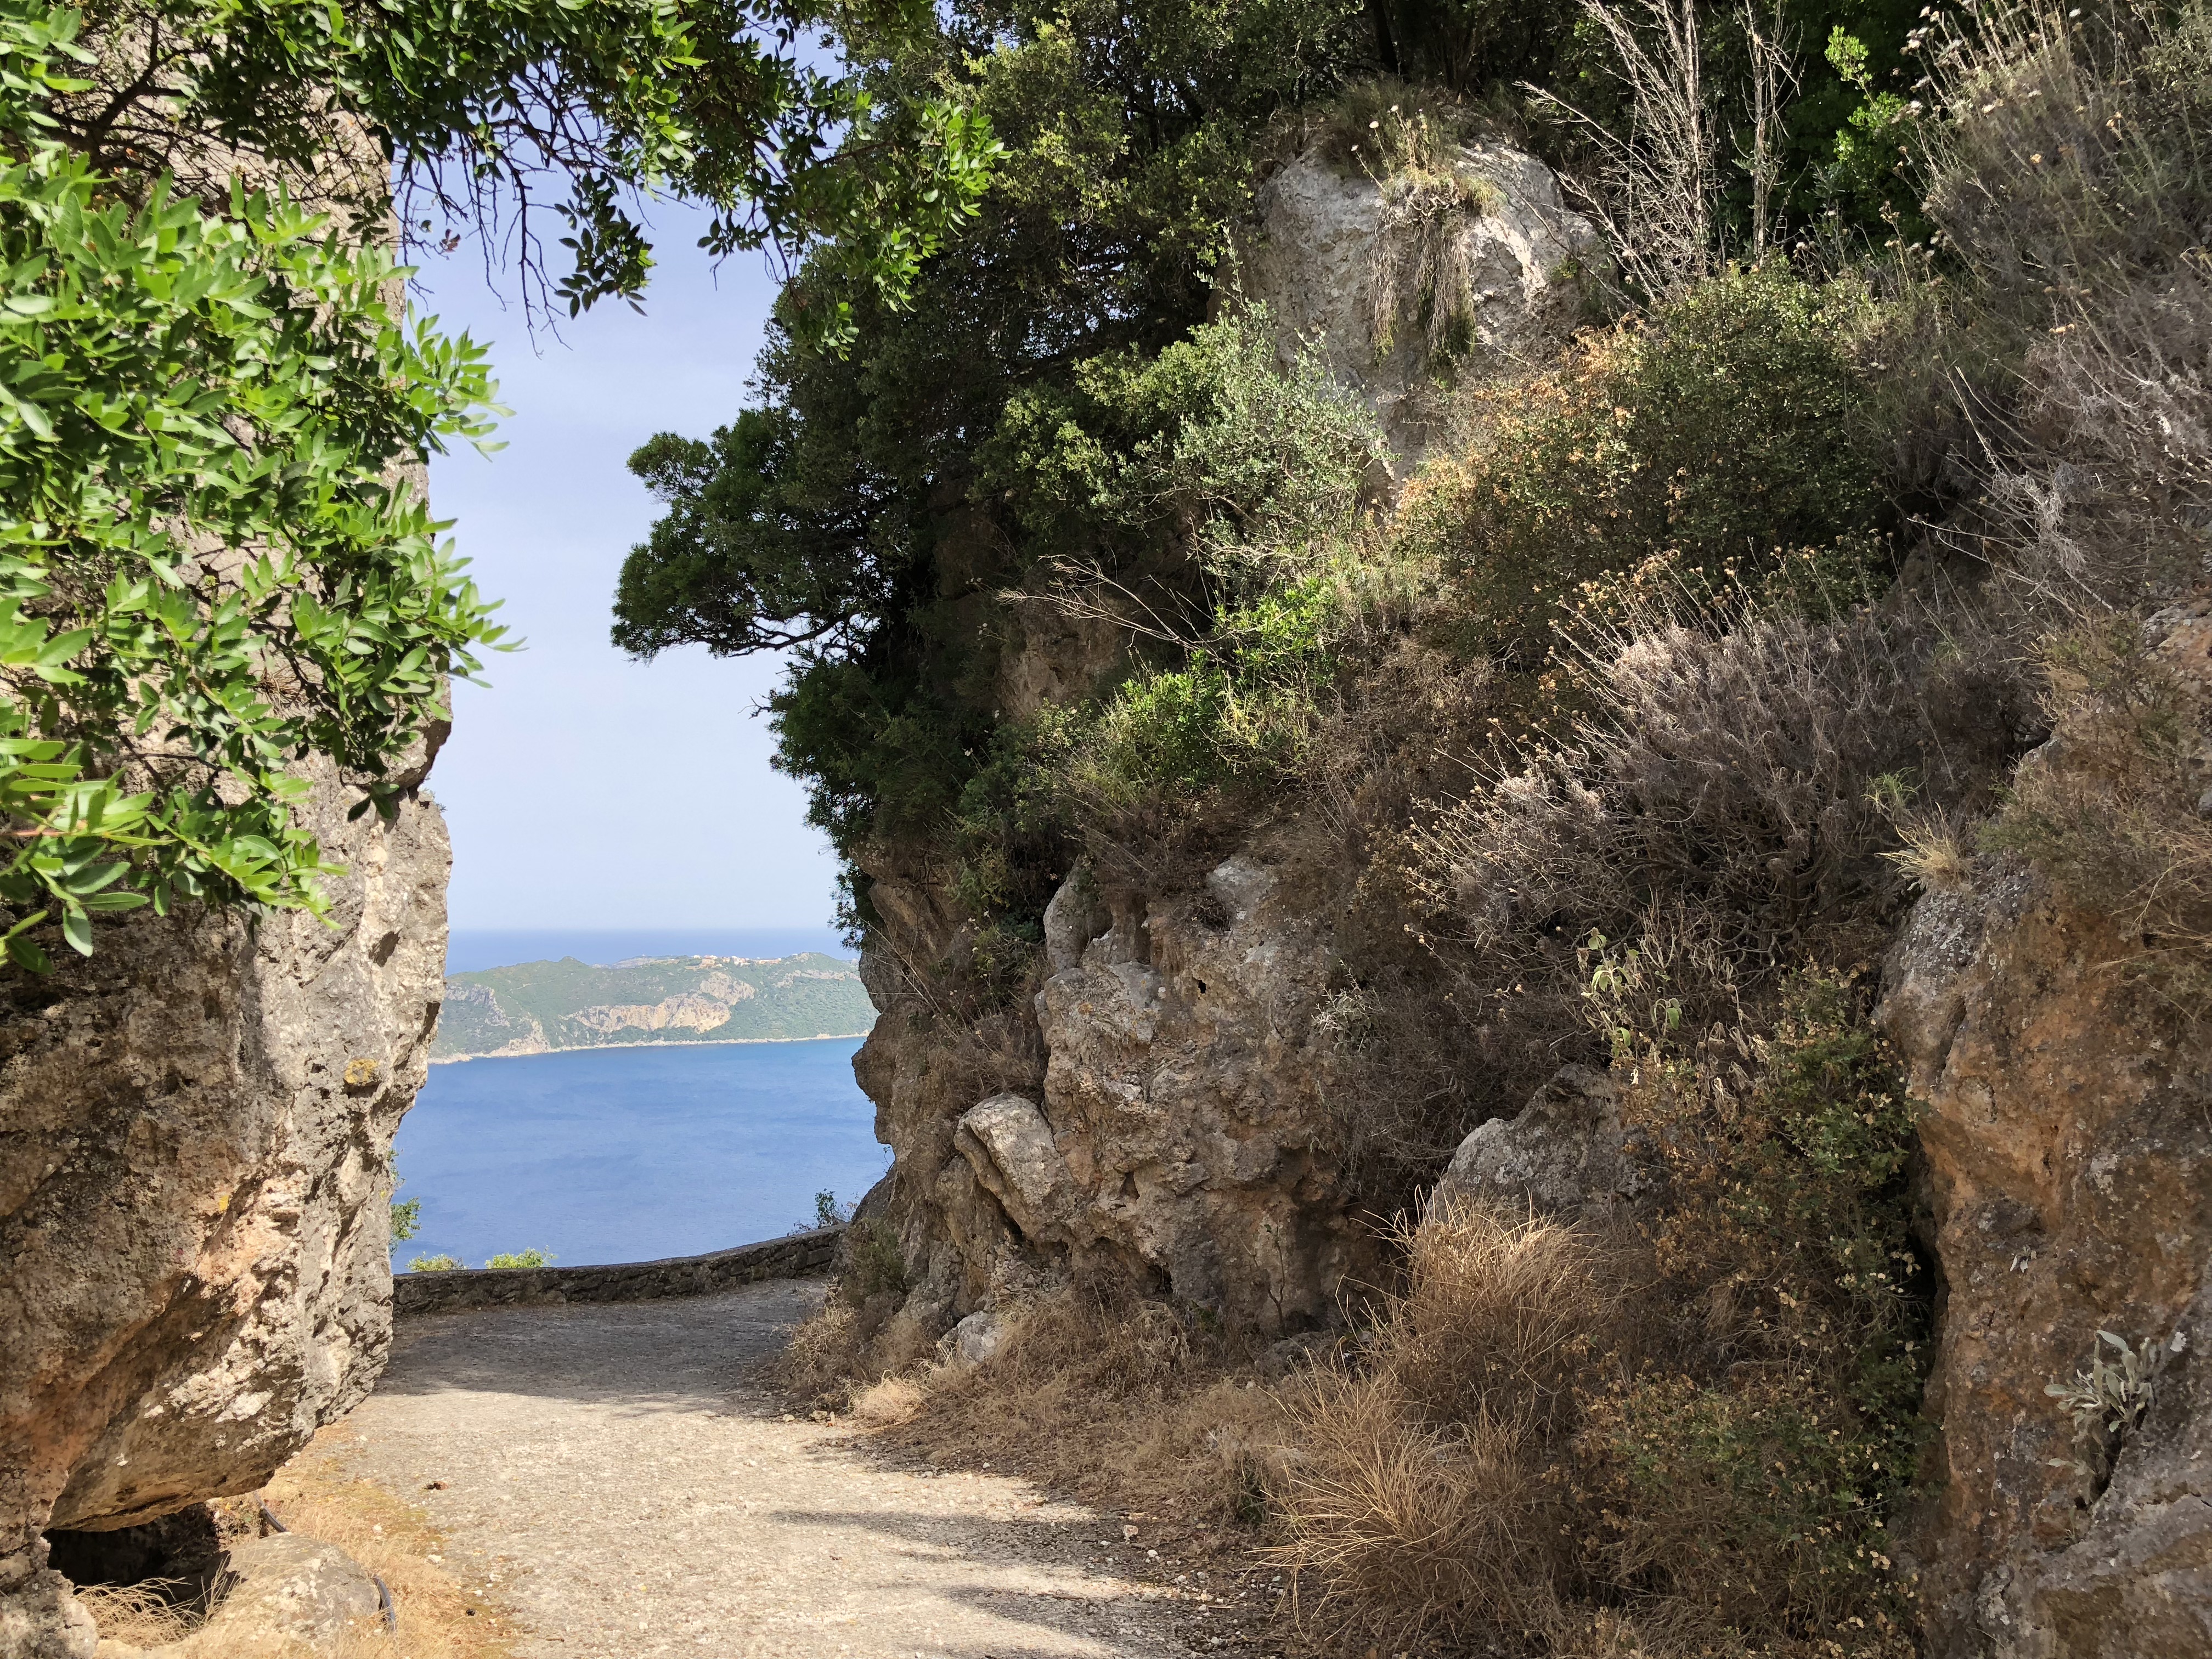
[{"x": 151, "y": 1582}]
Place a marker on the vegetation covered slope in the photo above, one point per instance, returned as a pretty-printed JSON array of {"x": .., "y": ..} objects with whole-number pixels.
[
  {"x": 1625, "y": 735},
  {"x": 534, "y": 1008}
]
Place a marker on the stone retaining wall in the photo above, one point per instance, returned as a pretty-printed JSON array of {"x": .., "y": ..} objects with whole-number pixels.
[{"x": 801, "y": 1256}]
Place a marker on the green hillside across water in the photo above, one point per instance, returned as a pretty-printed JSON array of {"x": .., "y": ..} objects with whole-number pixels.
[{"x": 537, "y": 1007}]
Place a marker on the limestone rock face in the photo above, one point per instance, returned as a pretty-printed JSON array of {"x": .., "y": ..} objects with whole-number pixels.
[
  {"x": 2068, "y": 1146},
  {"x": 195, "y": 1158},
  {"x": 1182, "y": 1093},
  {"x": 1174, "y": 1140},
  {"x": 1340, "y": 260}
]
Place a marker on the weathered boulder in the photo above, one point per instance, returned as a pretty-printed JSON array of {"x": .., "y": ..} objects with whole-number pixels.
[
  {"x": 196, "y": 1131},
  {"x": 1177, "y": 1140},
  {"x": 1345, "y": 261},
  {"x": 288, "y": 1585},
  {"x": 975, "y": 1340},
  {"x": 2068, "y": 1148},
  {"x": 40, "y": 1618},
  {"x": 1008, "y": 1144},
  {"x": 1566, "y": 1151}
]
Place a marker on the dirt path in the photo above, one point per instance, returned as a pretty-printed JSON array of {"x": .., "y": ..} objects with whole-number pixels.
[{"x": 612, "y": 1474}]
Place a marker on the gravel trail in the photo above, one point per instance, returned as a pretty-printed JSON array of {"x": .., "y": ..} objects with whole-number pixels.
[{"x": 614, "y": 1476}]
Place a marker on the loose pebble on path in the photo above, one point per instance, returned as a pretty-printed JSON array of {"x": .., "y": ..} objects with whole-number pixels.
[{"x": 615, "y": 1474}]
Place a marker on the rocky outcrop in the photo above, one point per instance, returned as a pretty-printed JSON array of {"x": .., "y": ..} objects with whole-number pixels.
[
  {"x": 2069, "y": 1147},
  {"x": 1159, "y": 1113},
  {"x": 2070, "y": 1155},
  {"x": 1175, "y": 1139},
  {"x": 1402, "y": 284},
  {"x": 196, "y": 1131}
]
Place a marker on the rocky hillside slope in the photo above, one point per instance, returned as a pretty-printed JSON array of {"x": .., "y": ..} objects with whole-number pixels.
[{"x": 1251, "y": 1024}]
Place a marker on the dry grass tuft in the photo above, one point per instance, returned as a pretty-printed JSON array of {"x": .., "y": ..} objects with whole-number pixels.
[
  {"x": 141, "y": 1615},
  {"x": 889, "y": 1403},
  {"x": 823, "y": 1354},
  {"x": 1424, "y": 1503},
  {"x": 2114, "y": 808}
]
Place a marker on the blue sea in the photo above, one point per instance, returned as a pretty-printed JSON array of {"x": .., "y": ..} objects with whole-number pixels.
[{"x": 631, "y": 1154}]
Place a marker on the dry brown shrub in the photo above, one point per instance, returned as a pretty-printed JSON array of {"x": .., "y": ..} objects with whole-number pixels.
[
  {"x": 1497, "y": 1309},
  {"x": 823, "y": 1355},
  {"x": 2069, "y": 173},
  {"x": 1424, "y": 1501},
  {"x": 1681, "y": 1439},
  {"x": 1729, "y": 768},
  {"x": 1122, "y": 1400},
  {"x": 1732, "y": 777}
]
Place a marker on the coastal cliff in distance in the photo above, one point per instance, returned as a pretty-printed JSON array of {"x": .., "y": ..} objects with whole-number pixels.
[{"x": 539, "y": 1007}]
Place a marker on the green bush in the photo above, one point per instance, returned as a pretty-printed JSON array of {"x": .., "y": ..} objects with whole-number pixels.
[
  {"x": 1719, "y": 434},
  {"x": 521, "y": 1259},
  {"x": 215, "y": 570},
  {"x": 878, "y": 1266},
  {"x": 434, "y": 1264}
]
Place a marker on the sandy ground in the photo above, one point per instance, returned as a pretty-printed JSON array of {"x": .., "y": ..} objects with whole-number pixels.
[{"x": 615, "y": 1476}]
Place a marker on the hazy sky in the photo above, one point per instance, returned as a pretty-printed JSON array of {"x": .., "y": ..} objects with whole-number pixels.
[{"x": 585, "y": 790}]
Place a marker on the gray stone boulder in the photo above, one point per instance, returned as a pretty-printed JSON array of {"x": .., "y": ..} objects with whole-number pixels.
[
  {"x": 288, "y": 1585},
  {"x": 1502, "y": 260},
  {"x": 1008, "y": 1144},
  {"x": 1566, "y": 1152}
]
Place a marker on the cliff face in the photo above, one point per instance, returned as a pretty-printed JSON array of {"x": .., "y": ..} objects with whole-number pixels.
[
  {"x": 2068, "y": 1148},
  {"x": 1154, "y": 1107},
  {"x": 195, "y": 1133},
  {"x": 1153, "y": 1110}
]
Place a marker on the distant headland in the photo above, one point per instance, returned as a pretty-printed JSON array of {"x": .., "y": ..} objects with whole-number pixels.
[{"x": 542, "y": 1008}]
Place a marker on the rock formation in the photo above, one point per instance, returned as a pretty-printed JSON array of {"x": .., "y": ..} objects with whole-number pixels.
[
  {"x": 2068, "y": 1145},
  {"x": 1565, "y": 1151},
  {"x": 1157, "y": 1114},
  {"x": 1173, "y": 1140},
  {"x": 1342, "y": 260},
  {"x": 196, "y": 1131}
]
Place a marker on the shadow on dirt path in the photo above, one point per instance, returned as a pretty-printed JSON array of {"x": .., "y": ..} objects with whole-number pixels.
[{"x": 613, "y": 1474}]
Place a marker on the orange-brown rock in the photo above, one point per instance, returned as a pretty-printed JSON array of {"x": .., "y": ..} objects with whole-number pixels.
[{"x": 2069, "y": 1145}]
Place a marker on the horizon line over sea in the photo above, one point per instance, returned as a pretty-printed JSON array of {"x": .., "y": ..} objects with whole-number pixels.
[{"x": 471, "y": 950}]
